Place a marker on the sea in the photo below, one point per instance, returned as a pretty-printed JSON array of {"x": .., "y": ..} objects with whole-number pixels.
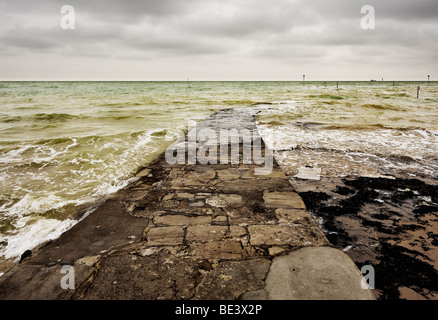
[{"x": 66, "y": 146}]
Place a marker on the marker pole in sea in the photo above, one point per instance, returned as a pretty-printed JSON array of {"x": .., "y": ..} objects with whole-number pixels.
[
  {"x": 337, "y": 85},
  {"x": 304, "y": 78},
  {"x": 428, "y": 78},
  {"x": 418, "y": 92}
]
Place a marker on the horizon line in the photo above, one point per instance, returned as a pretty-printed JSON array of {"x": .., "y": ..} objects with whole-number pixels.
[{"x": 203, "y": 80}]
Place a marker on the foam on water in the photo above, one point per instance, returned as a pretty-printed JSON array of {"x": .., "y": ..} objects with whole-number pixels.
[
  {"x": 417, "y": 144},
  {"x": 33, "y": 234},
  {"x": 353, "y": 151},
  {"x": 75, "y": 179}
]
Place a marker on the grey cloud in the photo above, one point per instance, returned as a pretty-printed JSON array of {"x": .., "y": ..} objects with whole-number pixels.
[
  {"x": 23, "y": 41},
  {"x": 295, "y": 31},
  {"x": 129, "y": 8}
]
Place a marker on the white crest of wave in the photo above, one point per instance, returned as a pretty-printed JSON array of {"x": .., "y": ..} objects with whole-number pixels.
[
  {"x": 34, "y": 234},
  {"x": 35, "y": 204}
]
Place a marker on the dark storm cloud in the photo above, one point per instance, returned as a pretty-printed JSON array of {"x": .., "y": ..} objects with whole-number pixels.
[
  {"x": 286, "y": 30},
  {"x": 174, "y": 21}
]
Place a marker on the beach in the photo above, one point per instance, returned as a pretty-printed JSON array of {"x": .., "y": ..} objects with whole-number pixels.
[{"x": 68, "y": 147}]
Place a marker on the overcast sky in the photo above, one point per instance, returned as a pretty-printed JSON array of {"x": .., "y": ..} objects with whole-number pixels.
[{"x": 218, "y": 40}]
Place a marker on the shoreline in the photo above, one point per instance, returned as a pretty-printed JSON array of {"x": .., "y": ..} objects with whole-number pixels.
[
  {"x": 81, "y": 213},
  {"x": 182, "y": 231}
]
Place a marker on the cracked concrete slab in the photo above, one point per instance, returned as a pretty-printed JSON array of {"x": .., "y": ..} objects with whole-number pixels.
[{"x": 315, "y": 273}]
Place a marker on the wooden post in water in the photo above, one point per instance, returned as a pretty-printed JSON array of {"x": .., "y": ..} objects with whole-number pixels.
[
  {"x": 304, "y": 78},
  {"x": 418, "y": 92},
  {"x": 337, "y": 85},
  {"x": 428, "y": 78},
  {"x": 393, "y": 83}
]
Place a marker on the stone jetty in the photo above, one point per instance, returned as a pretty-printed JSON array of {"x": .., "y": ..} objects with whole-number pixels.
[{"x": 231, "y": 227}]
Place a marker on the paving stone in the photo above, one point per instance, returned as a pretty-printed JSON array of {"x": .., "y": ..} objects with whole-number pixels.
[
  {"x": 206, "y": 175},
  {"x": 230, "y": 279},
  {"x": 220, "y": 221},
  {"x": 219, "y": 250},
  {"x": 264, "y": 173},
  {"x": 168, "y": 197},
  {"x": 180, "y": 220},
  {"x": 165, "y": 236},
  {"x": 89, "y": 261},
  {"x": 232, "y": 199},
  {"x": 192, "y": 182},
  {"x": 149, "y": 251},
  {"x": 143, "y": 173},
  {"x": 197, "y": 204},
  {"x": 246, "y": 216},
  {"x": 296, "y": 235},
  {"x": 275, "y": 250},
  {"x": 289, "y": 200},
  {"x": 229, "y": 174},
  {"x": 159, "y": 276},
  {"x": 185, "y": 195},
  {"x": 293, "y": 216},
  {"x": 206, "y": 233},
  {"x": 174, "y": 173},
  {"x": 237, "y": 232},
  {"x": 262, "y": 184},
  {"x": 216, "y": 201},
  {"x": 224, "y": 200}
]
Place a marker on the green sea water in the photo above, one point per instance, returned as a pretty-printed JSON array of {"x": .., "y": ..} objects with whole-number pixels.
[{"x": 65, "y": 146}]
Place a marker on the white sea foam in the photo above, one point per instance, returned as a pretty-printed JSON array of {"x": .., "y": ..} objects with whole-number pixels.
[
  {"x": 101, "y": 176},
  {"x": 346, "y": 151},
  {"x": 14, "y": 155},
  {"x": 105, "y": 176},
  {"x": 31, "y": 235},
  {"x": 416, "y": 144},
  {"x": 37, "y": 204}
]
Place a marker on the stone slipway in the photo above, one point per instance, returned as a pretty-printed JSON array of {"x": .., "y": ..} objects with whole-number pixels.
[{"x": 194, "y": 231}]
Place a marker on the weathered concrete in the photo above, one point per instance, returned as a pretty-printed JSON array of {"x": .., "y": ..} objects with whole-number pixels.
[
  {"x": 186, "y": 231},
  {"x": 315, "y": 274}
]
